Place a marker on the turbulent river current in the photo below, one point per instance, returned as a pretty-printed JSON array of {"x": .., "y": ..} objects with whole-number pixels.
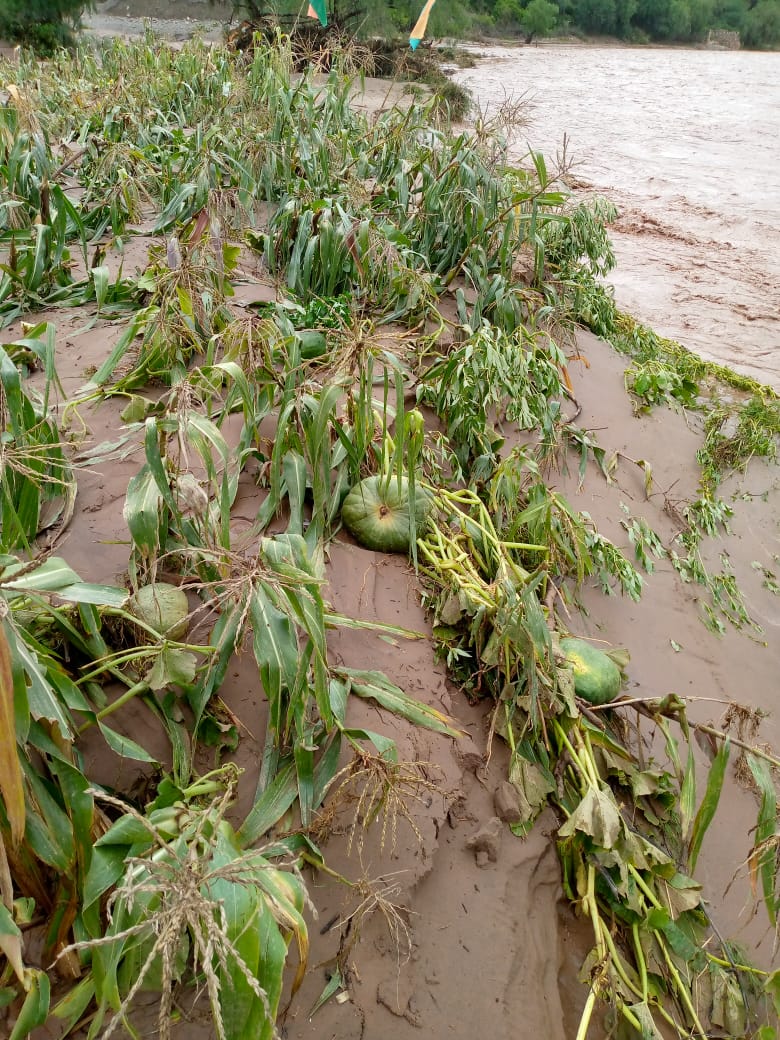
[{"x": 687, "y": 145}]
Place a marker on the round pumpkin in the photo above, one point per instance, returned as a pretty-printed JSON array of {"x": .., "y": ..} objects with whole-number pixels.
[
  {"x": 162, "y": 607},
  {"x": 597, "y": 678},
  {"x": 313, "y": 344},
  {"x": 377, "y": 513}
]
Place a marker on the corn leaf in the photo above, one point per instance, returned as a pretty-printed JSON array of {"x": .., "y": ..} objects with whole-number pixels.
[
  {"x": 763, "y": 858},
  {"x": 257, "y": 940},
  {"x": 11, "y": 783},
  {"x": 35, "y": 1007},
  {"x": 137, "y": 325},
  {"x": 142, "y": 511},
  {"x": 70, "y": 1009},
  {"x": 11, "y": 941},
  {"x": 32, "y": 684},
  {"x": 709, "y": 802},
  {"x": 275, "y": 647},
  {"x": 375, "y": 686},
  {"x": 270, "y": 806},
  {"x": 51, "y": 576}
]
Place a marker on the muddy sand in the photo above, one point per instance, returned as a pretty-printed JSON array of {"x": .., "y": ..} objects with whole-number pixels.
[{"x": 487, "y": 945}]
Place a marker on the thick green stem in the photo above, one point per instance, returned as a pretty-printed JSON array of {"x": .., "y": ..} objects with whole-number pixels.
[
  {"x": 586, "y": 756},
  {"x": 682, "y": 989},
  {"x": 139, "y": 689},
  {"x": 587, "y": 1013},
  {"x": 640, "y": 960},
  {"x": 617, "y": 961},
  {"x": 645, "y": 887},
  {"x": 574, "y": 756}
]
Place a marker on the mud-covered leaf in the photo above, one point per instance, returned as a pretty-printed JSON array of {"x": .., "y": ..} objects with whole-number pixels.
[
  {"x": 644, "y": 782},
  {"x": 11, "y": 783},
  {"x": 679, "y": 894},
  {"x": 598, "y": 816},
  {"x": 376, "y": 686},
  {"x": 728, "y": 1005},
  {"x": 172, "y": 666},
  {"x": 620, "y": 656},
  {"x": 533, "y": 786},
  {"x": 644, "y": 1016}
]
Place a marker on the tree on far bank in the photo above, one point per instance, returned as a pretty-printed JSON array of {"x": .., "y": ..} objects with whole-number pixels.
[
  {"x": 43, "y": 25},
  {"x": 761, "y": 28},
  {"x": 539, "y": 18},
  {"x": 597, "y": 16}
]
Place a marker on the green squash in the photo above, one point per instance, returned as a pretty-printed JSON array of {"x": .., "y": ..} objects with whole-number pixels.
[
  {"x": 376, "y": 512},
  {"x": 313, "y": 344},
  {"x": 163, "y": 607},
  {"x": 597, "y": 678}
]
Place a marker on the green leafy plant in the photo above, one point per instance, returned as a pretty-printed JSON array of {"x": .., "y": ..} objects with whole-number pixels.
[
  {"x": 37, "y": 486},
  {"x": 43, "y": 25},
  {"x": 189, "y": 900}
]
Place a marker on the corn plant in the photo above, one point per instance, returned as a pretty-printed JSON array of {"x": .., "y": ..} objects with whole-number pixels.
[
  {"x": 187, "y": 283},
  {"x": 187, "y": 899},
  {"x": 48, "y": 820},
  {"x": 37, "y": 486}
]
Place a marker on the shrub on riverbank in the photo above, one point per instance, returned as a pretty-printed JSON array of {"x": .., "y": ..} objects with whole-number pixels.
[{"x": 43, "y": 25}]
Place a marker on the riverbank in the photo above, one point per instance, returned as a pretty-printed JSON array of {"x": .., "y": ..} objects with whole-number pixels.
[{"x": 444, "y": 883}]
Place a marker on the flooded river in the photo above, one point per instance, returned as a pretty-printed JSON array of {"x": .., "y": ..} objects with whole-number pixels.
[{"x": 685, "y": 142}]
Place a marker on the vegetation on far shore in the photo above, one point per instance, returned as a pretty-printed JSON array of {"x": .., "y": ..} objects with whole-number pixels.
[
  {"x": 48, "y": 24},
  {"x": 426, "y": 294},
  {"x": 636, "y": 21}
]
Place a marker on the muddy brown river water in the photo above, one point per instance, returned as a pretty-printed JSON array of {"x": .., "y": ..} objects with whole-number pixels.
[{"x": 685, "y": 142}]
